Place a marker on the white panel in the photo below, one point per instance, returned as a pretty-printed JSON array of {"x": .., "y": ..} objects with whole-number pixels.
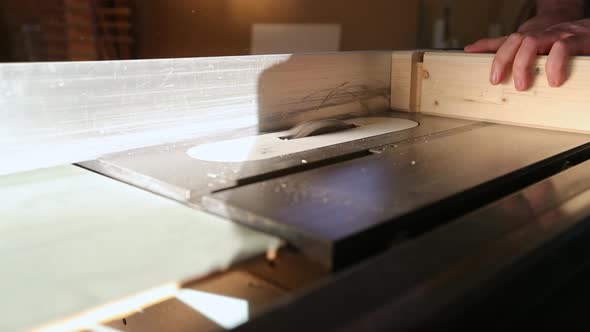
[{"x": 295, "y": 38}]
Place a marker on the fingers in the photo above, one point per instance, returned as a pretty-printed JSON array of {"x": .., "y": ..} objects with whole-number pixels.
[
  {"x": 485, "y": 45},
  {"x": 526, "y": 56},
  {"x": 519, "y": 51},
  {"x": 504, "y": 58},
  {"x": 558, "y": 59}
]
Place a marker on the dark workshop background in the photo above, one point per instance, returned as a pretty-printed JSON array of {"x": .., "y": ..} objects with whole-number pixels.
[{"x": 57, "y": 30}]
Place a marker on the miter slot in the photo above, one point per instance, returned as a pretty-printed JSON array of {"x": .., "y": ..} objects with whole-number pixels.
[
  {"x": 429, "y": 137},
  {"x": 312, "y": 128},
  {"x": 304, "y": 166}
]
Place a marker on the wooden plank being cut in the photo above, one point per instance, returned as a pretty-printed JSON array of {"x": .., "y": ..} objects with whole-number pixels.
[
  {"x": 457, "y": 85},
  {"x": 58, "y": 113},
  {"x": 73, "y": 240}
]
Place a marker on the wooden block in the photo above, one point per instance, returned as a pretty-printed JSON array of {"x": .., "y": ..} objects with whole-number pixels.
[
  {"x": 405, "y": 80},
  {"x": 243, "y": 285},
  {"x": 169, "y": 315},
  {"x": 57, "y": 113},
  {"x": 175, "y": 315},
  {"x": 290, "y": 270},
  {"x": 73, "y": 240},
  {"x": 259, "y": 281},
  {"x": 457, "y": 85}
]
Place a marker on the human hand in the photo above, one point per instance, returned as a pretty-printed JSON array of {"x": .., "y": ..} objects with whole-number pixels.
[{"x": 540, "y": 35}]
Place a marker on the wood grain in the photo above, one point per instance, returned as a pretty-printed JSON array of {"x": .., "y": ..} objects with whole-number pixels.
[
  {"x": 57, "y": 113},
  {"x": 458, "y": 86},
  {"x": 73, "y": 240},
  {"x": 405, "y": 80}
]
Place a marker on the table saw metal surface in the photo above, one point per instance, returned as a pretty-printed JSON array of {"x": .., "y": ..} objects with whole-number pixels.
[
  {"x": 486, "y": 271},
  {"x": 340, "y": 211},
  {"x": 356, "y": 198},
  {"x": 168, "y": 170}
]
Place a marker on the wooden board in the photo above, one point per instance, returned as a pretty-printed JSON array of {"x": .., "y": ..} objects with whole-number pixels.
[
  {"x": 175, "y": 315},
  {"x": 457, "y": 85},
  {"x": 73, "y": 240},
  {"x": 259, "y": 281},
  {"x": 405, "y": 68},
  {"x": 57, "y": 113}
]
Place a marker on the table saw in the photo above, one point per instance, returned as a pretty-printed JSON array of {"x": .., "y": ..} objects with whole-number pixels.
[{"x": 345, "y": 191}]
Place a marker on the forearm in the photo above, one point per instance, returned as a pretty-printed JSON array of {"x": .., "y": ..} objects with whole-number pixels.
[{"x": 571, "y": 9}]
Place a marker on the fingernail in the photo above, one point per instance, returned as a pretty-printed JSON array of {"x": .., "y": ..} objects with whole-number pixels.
[
  {"x": 554, "y": 82},
  {"x": 519, "y": 83},
  {"x": 494, "y": 78}
]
